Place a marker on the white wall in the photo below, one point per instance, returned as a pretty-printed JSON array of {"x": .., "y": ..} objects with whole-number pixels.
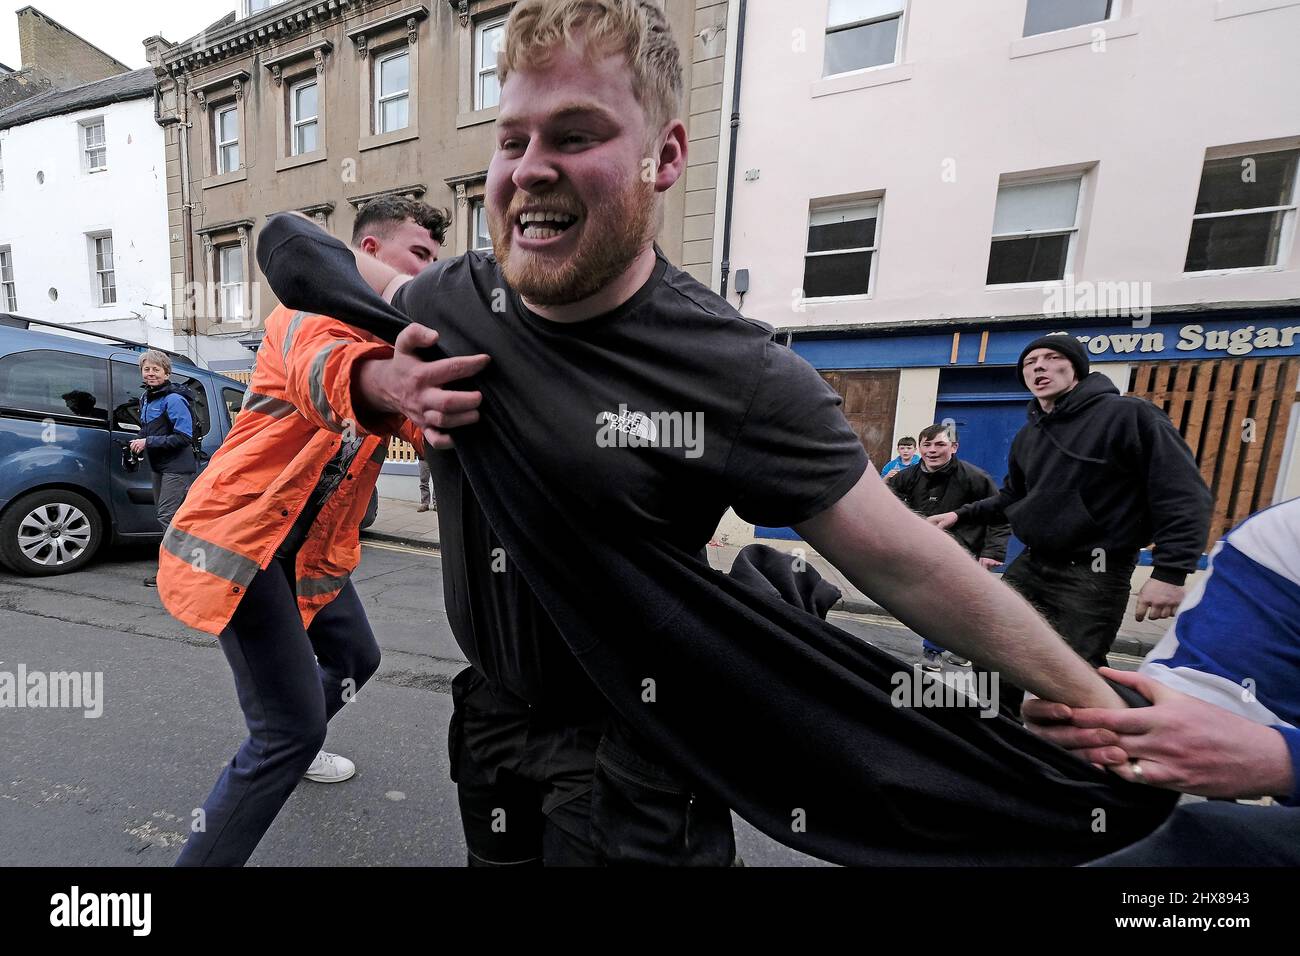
[
  {"x": 1172, "y": 80},
  {"x": 45, "y": 224}
]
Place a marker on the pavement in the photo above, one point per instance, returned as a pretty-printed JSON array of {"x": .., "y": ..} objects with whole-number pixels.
[{"x": 399, "y": 522}]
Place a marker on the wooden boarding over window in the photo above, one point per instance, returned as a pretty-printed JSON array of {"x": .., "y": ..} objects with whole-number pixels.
[{"x": 1234, "y": 415}]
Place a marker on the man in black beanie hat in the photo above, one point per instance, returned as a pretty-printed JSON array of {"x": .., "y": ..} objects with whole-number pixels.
[{"x": 1093, "y": 477}]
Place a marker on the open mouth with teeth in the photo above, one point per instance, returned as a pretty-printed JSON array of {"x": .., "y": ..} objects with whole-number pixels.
[{"x": 542, "y": 224}]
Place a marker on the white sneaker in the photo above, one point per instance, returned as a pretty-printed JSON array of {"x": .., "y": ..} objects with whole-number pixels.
[{"x": 330, "y": 768}]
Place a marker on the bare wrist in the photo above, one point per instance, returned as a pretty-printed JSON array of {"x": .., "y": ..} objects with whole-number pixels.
[{"x": 370, "y": 395}]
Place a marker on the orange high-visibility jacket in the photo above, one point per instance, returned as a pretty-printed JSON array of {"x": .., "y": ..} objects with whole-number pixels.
[{"x": 296, "y": 412}]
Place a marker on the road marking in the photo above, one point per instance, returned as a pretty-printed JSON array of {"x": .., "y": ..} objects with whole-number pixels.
[
  {"x": 874, "y": 620},
  {"x": 403, "y": 549}
]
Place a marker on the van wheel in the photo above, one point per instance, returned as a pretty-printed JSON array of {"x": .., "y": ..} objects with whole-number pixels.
[{"x": 49, "y": 532}]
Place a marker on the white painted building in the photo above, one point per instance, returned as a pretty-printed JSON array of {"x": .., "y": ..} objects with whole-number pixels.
[
  {"x": 83, "y": 210},
  {"x": 924, "y": 186}
]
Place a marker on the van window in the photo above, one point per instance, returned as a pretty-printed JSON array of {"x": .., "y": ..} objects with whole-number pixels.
[
  {"x": 127, "y": 390},
  {"x": 49, "y": 383},
  {"x": 234, "y": 400}
]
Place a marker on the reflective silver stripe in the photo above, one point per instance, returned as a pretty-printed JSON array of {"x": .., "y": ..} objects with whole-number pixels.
[
  {"x": 315, "y": 587},
  {"x": 266, "y": 405},
  {"x": 206, "y": 556},
  {"x": 293, "y": 330},
  {"x": 381, "y": 451},
  {"x": 316, "y": 380}
]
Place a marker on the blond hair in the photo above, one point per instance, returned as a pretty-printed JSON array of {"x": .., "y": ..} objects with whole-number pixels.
[
  {"x": 636, "y": 28},
  {"x": 157, "y": 358}
]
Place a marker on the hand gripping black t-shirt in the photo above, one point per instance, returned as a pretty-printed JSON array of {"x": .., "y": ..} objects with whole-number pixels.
[{"x": 662, "y": 413}]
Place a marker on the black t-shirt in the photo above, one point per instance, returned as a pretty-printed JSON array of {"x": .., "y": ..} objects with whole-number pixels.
[{"x": 663, "y": 412}]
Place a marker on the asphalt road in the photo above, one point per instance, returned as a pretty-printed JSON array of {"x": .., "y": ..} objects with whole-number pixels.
[{"x": 120, "y": 789}]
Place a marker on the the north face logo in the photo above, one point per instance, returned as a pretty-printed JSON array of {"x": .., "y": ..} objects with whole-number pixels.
[{"x": 628, "y": 429}]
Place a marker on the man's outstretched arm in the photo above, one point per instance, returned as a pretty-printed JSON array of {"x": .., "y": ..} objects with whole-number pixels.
[{"x": 925, "y": 579}]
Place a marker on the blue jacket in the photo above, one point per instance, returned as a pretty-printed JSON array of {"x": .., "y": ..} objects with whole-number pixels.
[
  {"x": 168, "y": 428},
  {"x": 1236, "y": 639},
  {"x": 897, "y": 465}
]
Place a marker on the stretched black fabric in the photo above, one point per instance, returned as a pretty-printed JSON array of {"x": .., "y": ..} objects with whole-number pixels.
[
  {"x": 774, "y": 573},
  {"x": 783, "y": 716}
]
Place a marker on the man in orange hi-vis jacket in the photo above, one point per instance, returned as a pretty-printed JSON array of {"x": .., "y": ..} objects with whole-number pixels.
[{"x": 261, "y": 552}]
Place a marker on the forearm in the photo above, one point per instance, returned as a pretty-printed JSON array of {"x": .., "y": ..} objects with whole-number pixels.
[
  {"x": 994, "y": 627},
  {"x": 928, "y": 582},
  {"x": 163, "y": 442},
  {"x": 374, "y": 403},
  {"x": 985, "y": 511}
]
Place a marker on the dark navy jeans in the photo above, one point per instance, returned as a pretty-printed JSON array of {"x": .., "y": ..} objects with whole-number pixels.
[{"x": 290, "y": 682}]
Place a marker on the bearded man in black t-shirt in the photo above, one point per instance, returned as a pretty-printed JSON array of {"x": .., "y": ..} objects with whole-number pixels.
[{"x": 662, "y": 407}]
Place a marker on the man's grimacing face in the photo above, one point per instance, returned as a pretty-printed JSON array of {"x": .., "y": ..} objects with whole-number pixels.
[
  {"x": 406, "y": 246},
  {"x": 568, "y": 205},
  {"x": 1048, "y": 373}
]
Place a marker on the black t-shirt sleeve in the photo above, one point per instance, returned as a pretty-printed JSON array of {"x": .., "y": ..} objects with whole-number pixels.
[
  {"x": 795, "y": 454},
  {"x": 310, "y": 270}
]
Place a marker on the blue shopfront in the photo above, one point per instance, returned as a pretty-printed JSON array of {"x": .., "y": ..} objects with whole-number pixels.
[{"x": 1209, "y": 371}]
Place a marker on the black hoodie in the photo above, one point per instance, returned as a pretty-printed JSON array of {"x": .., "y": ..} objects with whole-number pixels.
[{"x": 1103, "y": 470}]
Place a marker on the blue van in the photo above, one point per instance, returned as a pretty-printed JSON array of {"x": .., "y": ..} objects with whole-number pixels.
[{"x": 69, "y": 406}]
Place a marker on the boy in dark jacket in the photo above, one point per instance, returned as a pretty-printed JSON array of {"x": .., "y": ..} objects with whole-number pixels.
[
  {"x": 167, "y": 442},
  {"x": 940, "y": 482},
  {"x": 1092, "y": 479}
]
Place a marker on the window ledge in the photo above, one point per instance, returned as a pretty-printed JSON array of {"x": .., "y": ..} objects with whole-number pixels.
[
  {"x": 476, "y": 117},
  {"x": 1085, "y": 35},
  {"x": 376, "y": 140},
  {"x": 1227, "y": 9},
  {"x": 1243, "y": 271},
  {"x": 832, "y": 299},
  {"x": 306, "y": 159},
  {"x": 1021, "y": 286},
  {"x": 238, "y": 176},
  {"x": 862, "y": 79}
]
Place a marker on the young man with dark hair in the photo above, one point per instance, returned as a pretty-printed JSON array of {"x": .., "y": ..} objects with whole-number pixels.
[
  {"x": 905, "y": 459},
  {"x": 621, "y": 696},
  {"x": 942, "y": 482},
  {"x": 410, "y": 232},
  {"x": 1093, "y": 477},
  {"x": 403, "y": 228},
  {"x": 262, "y": 551}
]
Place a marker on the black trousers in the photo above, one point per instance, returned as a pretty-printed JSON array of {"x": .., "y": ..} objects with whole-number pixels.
[
  {"x": 539, "y": 789},
  {"x": 1084, "y": 606}
]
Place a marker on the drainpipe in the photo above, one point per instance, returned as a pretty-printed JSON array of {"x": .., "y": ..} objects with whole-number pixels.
[
  {"x": 182, "y": 119},
  {"x": 187, "y": 220},
  {"x": 731, "y": 158}
]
